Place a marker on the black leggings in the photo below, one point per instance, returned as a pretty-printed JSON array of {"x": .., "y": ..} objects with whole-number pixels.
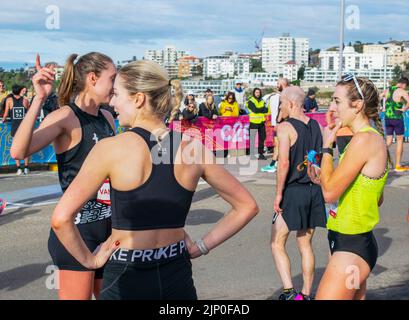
[{"x": 169, "y": 279}]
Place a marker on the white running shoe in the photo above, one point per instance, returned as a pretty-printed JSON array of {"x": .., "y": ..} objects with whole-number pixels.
[
  {"x": 26, "y": 171},
  {"x": 19, "y": 172},
  {"x": 269, "y": 168}
]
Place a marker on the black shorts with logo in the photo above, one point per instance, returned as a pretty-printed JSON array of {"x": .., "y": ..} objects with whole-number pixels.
[
  {"x": 303, "y": 207},
  {"x": 151, "y": 274}
]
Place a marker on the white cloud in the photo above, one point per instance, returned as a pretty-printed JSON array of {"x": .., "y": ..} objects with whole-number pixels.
[{"x": 126, "y": 28}]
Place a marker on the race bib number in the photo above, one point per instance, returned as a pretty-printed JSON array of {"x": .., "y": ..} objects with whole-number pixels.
[{"x": 104, "y": 192}]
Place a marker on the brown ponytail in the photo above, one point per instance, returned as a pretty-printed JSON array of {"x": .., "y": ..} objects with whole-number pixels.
[
  {"x": 67, "y": 81},
  {"x": 177, "y": 99},
  {"x": 73, "y": 80}
]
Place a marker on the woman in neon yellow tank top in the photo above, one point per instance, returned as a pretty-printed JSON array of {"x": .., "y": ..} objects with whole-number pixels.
[{"x": 357, "y": 185}]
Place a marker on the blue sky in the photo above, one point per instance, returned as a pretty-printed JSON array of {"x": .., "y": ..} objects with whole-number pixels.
[{"x": 127, "y": 28}]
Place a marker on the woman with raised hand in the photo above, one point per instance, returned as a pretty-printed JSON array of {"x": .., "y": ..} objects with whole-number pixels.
[
  {"x": 153, "y": 175},
  {"x": 73, "y": 129},
  {"x": 354, "y": 188}
]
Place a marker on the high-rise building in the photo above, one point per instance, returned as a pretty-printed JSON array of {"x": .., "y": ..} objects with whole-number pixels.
[
  {"x": 254, "y": 56},
  {"x": 189, "y": 66},
  {"x": 290, "y": 70},
  {"x": 318, "y": 75},
  {"x": 369, "y": 64},
  {"x": 277, "y": 52},
  {"x": 228, "y": 65},
  {"x": 352, "y": 60},
  {"x": 380, "y": 48},
  {"x": 154, "y": 55},
  {"x": 395, "y": 54},
  {"x": 167, "y": 57},
  {"x": 219, "y": 87},
  {"x": 398, "y": 58},
  {"x": 302, "y": 49}
]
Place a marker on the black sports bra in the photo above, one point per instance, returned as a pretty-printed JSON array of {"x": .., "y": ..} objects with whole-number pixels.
[{"x": 159, "y": 203}]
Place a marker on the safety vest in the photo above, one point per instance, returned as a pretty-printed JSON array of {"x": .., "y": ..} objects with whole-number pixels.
[{"x": 256, "y": 118}]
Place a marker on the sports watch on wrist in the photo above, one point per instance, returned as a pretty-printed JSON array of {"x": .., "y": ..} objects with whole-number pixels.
[{"x": 327, "y": 150}]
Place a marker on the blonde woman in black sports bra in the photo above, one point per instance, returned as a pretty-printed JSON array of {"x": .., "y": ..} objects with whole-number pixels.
[{"x": 153, "y": 177}]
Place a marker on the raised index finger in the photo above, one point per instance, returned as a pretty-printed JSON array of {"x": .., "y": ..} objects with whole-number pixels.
[{"x": 38, "y": 63}]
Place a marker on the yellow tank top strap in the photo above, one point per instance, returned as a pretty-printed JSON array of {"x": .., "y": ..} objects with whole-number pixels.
[{"x": 366, "y": 129}]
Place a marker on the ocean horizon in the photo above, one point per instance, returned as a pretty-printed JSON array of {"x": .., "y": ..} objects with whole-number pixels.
[{"x": 6, "y": 65}]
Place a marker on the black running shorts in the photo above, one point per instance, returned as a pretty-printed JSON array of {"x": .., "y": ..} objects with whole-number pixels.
[
  {"x": 303, "y": 207},
  {"x": 363, "y": 245},
  {"x": 93, "y": 234}
]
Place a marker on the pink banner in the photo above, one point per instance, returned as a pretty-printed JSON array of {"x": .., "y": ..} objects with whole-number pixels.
[
  {"x": 319, "y": 117},
  {"x": 230, "y": 133}
]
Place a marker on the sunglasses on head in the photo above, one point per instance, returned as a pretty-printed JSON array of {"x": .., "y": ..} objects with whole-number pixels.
[{"x": 350, "y": 76}]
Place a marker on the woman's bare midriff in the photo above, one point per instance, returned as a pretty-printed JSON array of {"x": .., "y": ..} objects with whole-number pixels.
[{"x": 147, "y": 239}]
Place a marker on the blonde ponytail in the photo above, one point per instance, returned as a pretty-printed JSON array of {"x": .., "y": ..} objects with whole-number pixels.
[{"x": 153, "y": 80}]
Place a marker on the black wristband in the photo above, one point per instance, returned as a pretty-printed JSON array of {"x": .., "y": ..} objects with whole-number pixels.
[{"x": 327, "y": 150}]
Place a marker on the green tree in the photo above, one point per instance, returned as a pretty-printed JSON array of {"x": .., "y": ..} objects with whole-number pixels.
[
  {"x": 267, "y": 91},
  {"x": 359, "y": 46},
  {"x": 397, "y": 73},
  {"x": 197, "y": 70},
  {"x": 256, "y": 66},
  {"x": 301, "y": 73},
  {"x": 12, "y": 77}
]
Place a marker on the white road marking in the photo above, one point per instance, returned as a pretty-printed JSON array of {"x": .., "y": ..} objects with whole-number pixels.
[{"x": 12, "y": 206}]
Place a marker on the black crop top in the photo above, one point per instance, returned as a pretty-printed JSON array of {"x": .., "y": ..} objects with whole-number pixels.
[{"x": 160, "y": 202}]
